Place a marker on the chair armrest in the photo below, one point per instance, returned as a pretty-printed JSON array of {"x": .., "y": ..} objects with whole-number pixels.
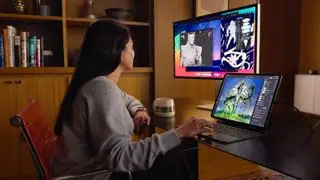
[{"x": 76, "y": 176}]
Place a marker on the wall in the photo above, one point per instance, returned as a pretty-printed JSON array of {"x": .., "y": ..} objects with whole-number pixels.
[
  {"x": 310, "y": 36},
  {"x": 165, "y": 83},
  {"x": 239, "y": 3},
  {"x": 280, "y": 40}
]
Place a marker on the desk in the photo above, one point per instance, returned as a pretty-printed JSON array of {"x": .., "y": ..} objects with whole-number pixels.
[{"x": 289, "y": 147}]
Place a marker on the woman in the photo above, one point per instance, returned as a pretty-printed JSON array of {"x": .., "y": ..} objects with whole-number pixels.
[{"x": 95, "y": 124}]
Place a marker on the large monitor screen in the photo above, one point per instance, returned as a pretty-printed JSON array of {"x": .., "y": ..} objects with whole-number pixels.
[{"x": 213, "y": 45}]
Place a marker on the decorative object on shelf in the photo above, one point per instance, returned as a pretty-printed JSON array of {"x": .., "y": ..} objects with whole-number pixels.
[
  {"x": 44, "y": 10},
  {"x": 118, "y": 13},
  {"x": 19, "y": 6},
  {"x": 88, "y": 10}
]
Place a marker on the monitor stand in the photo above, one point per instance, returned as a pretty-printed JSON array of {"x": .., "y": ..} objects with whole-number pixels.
[{"x": 209, "y": 107}]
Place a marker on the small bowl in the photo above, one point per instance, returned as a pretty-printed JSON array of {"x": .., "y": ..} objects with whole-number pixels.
[{"x": 118, "y": 13}]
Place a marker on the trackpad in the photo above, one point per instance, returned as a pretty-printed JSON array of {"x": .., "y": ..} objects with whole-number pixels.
[{"x": 223, "y": 137}]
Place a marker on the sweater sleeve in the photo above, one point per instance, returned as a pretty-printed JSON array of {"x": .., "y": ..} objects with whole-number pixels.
[
  {"x": 109, "y": 129},
  {"x": 131, "y": 103}
]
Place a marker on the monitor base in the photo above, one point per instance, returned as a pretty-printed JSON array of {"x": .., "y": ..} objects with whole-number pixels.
[{"x": 207, "y": 107}]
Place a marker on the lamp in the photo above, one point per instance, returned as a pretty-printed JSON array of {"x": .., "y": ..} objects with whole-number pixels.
[{"x": 307, "y": 93}]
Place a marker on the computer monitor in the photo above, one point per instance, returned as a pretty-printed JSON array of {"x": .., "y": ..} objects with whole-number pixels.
[
  {"x": 246, "y": 99},
  {"x": 211, "y": 46}
]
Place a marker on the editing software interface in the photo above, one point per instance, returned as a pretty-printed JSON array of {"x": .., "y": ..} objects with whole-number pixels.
[
  {"x": 214, "y": 45},
  {"x": 246, "y": 99}
]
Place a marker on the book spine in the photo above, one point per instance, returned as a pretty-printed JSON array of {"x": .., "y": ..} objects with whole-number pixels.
[
  {"x": 5, "y": 47},
  {"x": 1, "y": 52},
  {"x": 41, "y": 51},
  {"x": 24, "y": 49},
  {"x": 17, "y": 51},
  {"x": 11, "y": 40},
  {"x": 32, "y": 51},
  {"x": 28, "y": 47},
  {"x": 38, "y": 55}
]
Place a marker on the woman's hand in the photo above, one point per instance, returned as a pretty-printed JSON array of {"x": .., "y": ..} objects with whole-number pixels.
[
  {"x": 141, "y": 120},
  {"x": 195, "y": 126}
]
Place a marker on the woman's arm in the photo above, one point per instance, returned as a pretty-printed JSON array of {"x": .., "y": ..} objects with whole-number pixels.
[
  {"x": 131, "y": 103},
  {"x": 110, "y": 127}
]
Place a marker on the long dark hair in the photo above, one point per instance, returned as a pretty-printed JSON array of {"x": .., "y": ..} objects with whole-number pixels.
[{"x": 100, "y": 55}]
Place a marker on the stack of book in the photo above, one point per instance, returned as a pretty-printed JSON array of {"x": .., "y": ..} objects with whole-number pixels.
[{"x": 20, "y": 49}]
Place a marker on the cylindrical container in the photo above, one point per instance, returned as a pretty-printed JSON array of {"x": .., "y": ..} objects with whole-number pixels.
[
  {"x": 164, "y": 107},
  {"x": 44, "y": 10}
]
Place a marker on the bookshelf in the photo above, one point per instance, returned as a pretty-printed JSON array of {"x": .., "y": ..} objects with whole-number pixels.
[
  {"x": 62, "y": 32},
  {"x": 87, "y": 21},
  {"x": 58, "y": 70},
  {"x": 27, "y": 17},
  {"x": 64, "y": 29}
]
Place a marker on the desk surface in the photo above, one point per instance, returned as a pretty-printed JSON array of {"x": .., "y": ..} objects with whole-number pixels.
[{"x": 289, "y": 147}]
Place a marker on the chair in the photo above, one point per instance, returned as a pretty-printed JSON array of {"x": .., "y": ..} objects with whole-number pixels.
[{"x": 41, "y": 141}]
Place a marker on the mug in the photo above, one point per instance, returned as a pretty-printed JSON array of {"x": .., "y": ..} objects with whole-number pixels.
[{"x": 164, "y": 107}]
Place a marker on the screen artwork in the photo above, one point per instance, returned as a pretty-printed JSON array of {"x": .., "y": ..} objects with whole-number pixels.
[
  {"x": 238, "y": 99},
  {"x": 237, "y": 43},
  {"x": 216, "y": 44}
]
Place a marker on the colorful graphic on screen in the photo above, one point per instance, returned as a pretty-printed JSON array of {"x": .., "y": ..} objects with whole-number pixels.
[
  {"x": 238, "y": 99},
  {"x": 214, "y": 45}
]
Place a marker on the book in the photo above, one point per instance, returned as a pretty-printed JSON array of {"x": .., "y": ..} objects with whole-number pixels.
[
  {"x": 1, "y": 52},
  {"x": 41, "y": 52},
  {"x": 23, "y": 46},
  {"x": 5, "y": 47},
  {"x": 32, "y": 51},
  {"x": 11, "y": 40},
  {"x": 38, "y": 54},
  {"x": 17, "y": 51}
]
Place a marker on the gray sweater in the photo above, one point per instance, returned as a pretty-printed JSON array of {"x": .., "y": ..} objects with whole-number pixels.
[{"x": 100, "y": 135}]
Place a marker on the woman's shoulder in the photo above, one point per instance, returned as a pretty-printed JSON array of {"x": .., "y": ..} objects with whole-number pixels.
[{"x": 99, "y": 85}]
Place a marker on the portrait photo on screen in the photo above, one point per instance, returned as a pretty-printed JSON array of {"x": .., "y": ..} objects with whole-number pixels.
[
  {"x": 213, "y": 45},
  {"x": 196, "y": 48}
]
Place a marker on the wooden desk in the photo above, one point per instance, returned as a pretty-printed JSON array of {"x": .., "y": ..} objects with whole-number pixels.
[
  {"x": 213, "y": 164},
  {"x": 285, "y": 149}
]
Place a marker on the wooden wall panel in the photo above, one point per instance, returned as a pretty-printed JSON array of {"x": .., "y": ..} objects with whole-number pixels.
[
  {"x": 239, "y": 3},
  {"x": 165, "y": 83},
  {"x": 204, "y": 7},
  {"x": 280, "y": 42},
  {"x": 137, "y": 85},
  {"x": 9, "y": 135},
  {"x": 310, "y": 36}
]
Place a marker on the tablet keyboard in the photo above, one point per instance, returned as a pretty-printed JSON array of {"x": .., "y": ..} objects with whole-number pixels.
[{"x": 234, "y": 132}]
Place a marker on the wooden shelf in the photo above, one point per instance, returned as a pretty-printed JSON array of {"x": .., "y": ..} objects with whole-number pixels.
[
  {"x": 59, "y": 70},
  {"x": 85, "y": 21},
  {"x": 27, "y": 17}
]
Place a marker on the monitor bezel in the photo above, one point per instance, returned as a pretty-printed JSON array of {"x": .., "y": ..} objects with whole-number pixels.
[
  {"x": 243, "y": 125},
  {"x": 202, "y": 18}
]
